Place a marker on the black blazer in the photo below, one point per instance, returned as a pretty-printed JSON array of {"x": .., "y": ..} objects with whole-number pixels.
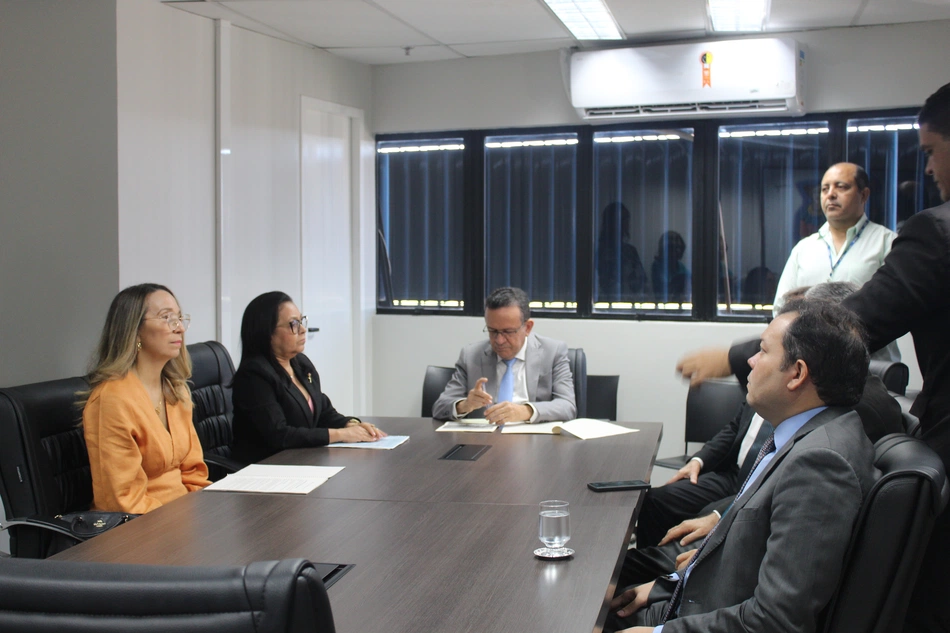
[{"x": 270, "y": 413}]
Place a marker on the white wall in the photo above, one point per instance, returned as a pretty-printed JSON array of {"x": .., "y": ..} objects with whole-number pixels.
[
  {"x": 59, "y": 263},
  {"x": 856, "y": 68},
  {"x": 166, "y": 156}
]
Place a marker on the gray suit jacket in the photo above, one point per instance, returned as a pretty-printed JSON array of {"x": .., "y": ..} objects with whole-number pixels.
[
  {"x": 548, "y": 376},
  {"x": 776, "y": 558}
]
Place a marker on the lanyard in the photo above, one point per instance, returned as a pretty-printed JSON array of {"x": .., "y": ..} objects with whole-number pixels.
[{"x": 847, "y": 249}]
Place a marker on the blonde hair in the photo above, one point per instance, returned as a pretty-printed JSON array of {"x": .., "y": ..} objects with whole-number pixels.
[{"x": 115, "y": 355}]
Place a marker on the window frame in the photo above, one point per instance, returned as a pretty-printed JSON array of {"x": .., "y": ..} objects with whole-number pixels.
[{"x": 705, "y": 183}]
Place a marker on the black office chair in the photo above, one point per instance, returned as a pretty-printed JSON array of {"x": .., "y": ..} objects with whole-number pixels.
[
  {"x": 889, "y": 538},
  {"x": 894, "y": 375},
  {"x": 709, "y": 407},
  {"x": 432, "y": 387},
  {"x": 67, "y": 597},
  {"x": 211, "y": 375},
  {"x": 577, "y": 359},
  {"x": 602, "y": 397},
  {"x": 44, "y": 467}
]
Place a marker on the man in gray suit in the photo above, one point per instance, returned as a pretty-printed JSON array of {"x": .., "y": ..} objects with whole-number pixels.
[
  {"x": 774, "y": 560},
  {"x": 514, "y": 376}
]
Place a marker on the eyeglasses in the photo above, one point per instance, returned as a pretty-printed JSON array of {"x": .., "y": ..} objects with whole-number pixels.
[
  {"x": 492, "y": 333},
  {"x": 298, "y": 326},
  {"x": 173, "y": 321}
]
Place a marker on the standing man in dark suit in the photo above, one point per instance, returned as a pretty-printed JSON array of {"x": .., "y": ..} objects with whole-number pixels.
[
  {"x": 774, "y": 560},
  {"x": 514, "y": 376},
  {"x": 909, "y": 293}
]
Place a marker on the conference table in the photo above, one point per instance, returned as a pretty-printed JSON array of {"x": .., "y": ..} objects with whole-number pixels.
[{"x": 435, "y": 544}]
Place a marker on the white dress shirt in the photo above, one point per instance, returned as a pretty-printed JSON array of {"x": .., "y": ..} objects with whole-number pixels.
[{"x": 815, "y": 260}]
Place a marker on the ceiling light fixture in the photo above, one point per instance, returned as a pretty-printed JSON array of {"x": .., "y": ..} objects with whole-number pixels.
[
  {"x": 738, "y": 15},
  {"x": 586, "y": 19}
]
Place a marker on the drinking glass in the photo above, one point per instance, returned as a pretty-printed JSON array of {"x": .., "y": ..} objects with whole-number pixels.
[{"x": 554, "y": 529}]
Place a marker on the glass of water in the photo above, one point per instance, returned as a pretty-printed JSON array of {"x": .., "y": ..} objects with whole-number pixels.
[{"x": 554, "y": 529}]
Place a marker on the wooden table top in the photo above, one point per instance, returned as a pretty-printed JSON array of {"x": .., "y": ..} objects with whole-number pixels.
[{"x": 437, "y": 545}]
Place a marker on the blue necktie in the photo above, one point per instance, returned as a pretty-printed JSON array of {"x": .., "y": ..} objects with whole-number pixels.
[{"x": 506, "y": 390}]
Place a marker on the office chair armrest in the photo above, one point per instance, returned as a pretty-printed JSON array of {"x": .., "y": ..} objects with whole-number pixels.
[
  {"x": 52, "y": 524},
  {"x": 229, "y": 465}
]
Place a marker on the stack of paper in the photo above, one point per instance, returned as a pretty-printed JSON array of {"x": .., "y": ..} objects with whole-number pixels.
[
  {"x": 298, "y": 480},
  {"x": 583, "y": 428}
]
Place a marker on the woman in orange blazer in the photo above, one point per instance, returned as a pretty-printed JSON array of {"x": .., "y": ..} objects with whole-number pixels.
[{"x": 143, "y": 449}]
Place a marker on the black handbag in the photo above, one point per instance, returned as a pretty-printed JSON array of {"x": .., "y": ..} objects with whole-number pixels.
[{"x": 66, "y": 530}]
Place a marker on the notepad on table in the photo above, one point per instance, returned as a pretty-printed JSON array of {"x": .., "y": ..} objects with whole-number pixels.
[
  {"x": 468, "y": 426},
  {"x": 386, "y": 443},
  {"x": 582, "y": 428},
  {"x": 276, "y": 478}
]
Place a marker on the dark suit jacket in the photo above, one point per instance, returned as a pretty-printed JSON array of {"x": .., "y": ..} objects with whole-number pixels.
[
  {"x": 270, "y": 413},
  {"x": 775, "y": 559},
  {"x": 911, "y": 293}
]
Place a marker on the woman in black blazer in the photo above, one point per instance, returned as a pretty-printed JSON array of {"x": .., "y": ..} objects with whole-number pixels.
[{"x": 276, "y": 389}]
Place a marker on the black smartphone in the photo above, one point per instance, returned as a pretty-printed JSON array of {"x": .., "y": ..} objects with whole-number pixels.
[{"x": 606, "y": 486}]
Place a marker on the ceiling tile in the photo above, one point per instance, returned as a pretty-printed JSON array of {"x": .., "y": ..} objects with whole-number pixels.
[
  {"x": 641, "y": 17},
  {"x": 896, "y": 11},
  {"x": 331, "y": 23},
  {"x": 474, "y": 21},
  {"x": 788, "y": 15}
]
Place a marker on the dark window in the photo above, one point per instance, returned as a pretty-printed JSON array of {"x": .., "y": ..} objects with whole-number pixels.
[
  {"x": 643, "y": 220},
  {"x": 769, "y": 179},
  {"x": 531, "y": 217},
  {"x": 888, "y": 149},
  {"x": 420, "y": 223}
]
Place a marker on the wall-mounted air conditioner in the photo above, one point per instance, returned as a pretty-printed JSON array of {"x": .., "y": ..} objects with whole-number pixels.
[{"x": 712, "y": 79}]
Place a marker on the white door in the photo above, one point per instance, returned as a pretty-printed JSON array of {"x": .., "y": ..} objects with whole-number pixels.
[{"x": 326, "y": 248}]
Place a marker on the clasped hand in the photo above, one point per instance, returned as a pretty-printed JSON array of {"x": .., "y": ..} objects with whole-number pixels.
[{"x": 496, "y": 414}]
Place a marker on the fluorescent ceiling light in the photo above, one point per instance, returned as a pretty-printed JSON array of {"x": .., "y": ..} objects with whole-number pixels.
[
  {"x": 738, "y": 15},
  {"x": 586, "y": 19}
]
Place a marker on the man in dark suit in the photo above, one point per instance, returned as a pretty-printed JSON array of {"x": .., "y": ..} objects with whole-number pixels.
[
  {"x": 909, "y": 293},
  {"x": 514, "y": 376},
  {"x": 774, "y": 560},
  {"x": 714, "y": 472}
]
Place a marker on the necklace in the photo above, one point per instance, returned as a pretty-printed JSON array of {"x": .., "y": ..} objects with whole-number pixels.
[{"x": 158, "y": 409}]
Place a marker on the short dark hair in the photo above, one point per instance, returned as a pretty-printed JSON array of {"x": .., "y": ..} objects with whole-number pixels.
[
  {"x": 259, "y": 323},
  {"x": 509, "y": 296},
  {"x": 935, "y": 112},
  {"x": 830, "y": 341}
]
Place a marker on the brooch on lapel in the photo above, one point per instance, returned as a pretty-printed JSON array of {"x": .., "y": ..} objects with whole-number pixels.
[{"x": 309, "y": 377}]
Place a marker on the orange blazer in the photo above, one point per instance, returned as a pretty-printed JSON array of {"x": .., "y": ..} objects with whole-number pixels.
[{"x": 136, "y": 464}]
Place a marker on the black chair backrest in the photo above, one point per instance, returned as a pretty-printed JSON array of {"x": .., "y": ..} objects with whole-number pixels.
[
  {"x": 211, "y": 374},
  {"x": 889, "y": 538},
  {"x": 894, "y": 375},
  {"x": 432, "y": 387},
  {"x": 44, "y": 467},
  {"x": 602, "y": 397},
  {"x": 577, "y": 359},
  {"x": 709, "y": 407},
  {"x": 65, "y": 597}
]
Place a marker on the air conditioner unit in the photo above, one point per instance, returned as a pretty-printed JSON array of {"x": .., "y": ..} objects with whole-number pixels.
[{"x": 713, "y": 79}]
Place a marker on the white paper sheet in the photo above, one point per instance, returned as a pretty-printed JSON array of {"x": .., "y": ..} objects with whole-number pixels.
[
  {"x": 386, "y": 443},
  {"x": 467, "y": 427},
  {"x": 276, "y": 478},
  {"x": 582, "y": 428}
]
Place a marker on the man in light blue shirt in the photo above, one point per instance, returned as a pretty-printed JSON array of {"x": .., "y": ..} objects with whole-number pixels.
[{"x": 774, "y": 560}]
